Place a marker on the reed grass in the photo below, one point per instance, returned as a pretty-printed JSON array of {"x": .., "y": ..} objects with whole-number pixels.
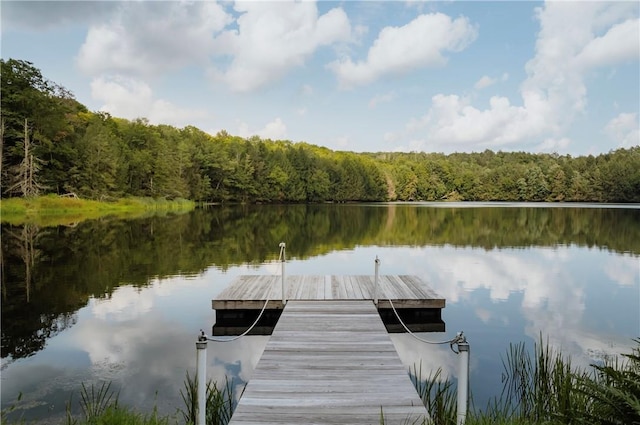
[
  {"x": 543, "y": 387},
  {"x": 220, "y": 400},
  {"x": 438, "y": 395},
  {"x": 94, "y": 402}
]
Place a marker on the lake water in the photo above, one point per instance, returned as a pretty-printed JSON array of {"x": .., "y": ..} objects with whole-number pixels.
[{"x": 123, "y": 300}]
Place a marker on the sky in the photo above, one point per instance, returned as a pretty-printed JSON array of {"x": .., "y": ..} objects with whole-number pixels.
[{"x": 361, "y": 76}]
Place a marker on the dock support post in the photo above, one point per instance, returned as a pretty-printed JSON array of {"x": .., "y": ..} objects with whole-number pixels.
[
  {"x": 201, "y": 378},
  {"x": 283, "y": 258},
  {"x": 463, "y": 380},
  {"x": 375, "y": 282}
]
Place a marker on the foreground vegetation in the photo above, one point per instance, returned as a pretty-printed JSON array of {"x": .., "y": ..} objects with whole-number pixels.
[
  {"x": 539, "y": 388},
  {"x": 99, "y": 405},
  {"x": 52, "y": 144},
  {"x": 55, "y": 210},
  {"x": 544, "y": 388}
]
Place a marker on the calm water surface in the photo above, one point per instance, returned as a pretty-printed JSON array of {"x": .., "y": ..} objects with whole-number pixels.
[{"x": 122, "y": 301}]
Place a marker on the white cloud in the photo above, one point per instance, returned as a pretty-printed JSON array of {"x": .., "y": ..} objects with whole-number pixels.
[
  {"x": 554, "y": 145},
  {"x": 484, "y": 82},
  {"x": 625, "y": 271},
  {"x": 267, "y": 40},
  {"x": 130, "y": 98},
  {"x": 553, "y": 93},
  {"x": 620, "y": 43},
  {"x": 382, "y": 98},
  {"x": 125, "y": 304},
  {"x": 272, "y": 38},
  {"x": 397, "y": 50},
  {"x": 624, "y": 130},
  {"x": 274, "y": 130},
  {"x": 483, "y": 314},
  {"x": 426, "y": 357},
  {"x": 453, "y": 119},
  {"x": 149, "y": 38}
]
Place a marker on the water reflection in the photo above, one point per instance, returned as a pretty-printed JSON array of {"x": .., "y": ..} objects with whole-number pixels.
[
  {"x": 567, "y": 296},
  {"x": 122, "y": 300}
]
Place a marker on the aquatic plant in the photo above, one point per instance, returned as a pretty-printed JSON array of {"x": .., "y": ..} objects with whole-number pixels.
[
  {"x": 437, "y": 394},
  {"x": 542, "y": 387},
  {"x": 221, "y": 401},
  {"x": 613, "y": 392}
]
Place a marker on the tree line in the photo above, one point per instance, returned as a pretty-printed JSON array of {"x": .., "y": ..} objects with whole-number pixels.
[{"x": 51, "y": 143}]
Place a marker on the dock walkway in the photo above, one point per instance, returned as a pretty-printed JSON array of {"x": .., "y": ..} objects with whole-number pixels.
[{"x": 329, "y": 362}]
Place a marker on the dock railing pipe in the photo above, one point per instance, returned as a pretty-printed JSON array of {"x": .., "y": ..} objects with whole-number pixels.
[
  {"x": 463, "y": 380},
  {"x": 201, "y": 378},
  {"x": 283, "y": 258},
  {"x": 375, "y": 282}
]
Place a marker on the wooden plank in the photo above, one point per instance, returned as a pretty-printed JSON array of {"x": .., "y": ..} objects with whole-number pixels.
[
  {"x": 415, "y": 285},
  {"x": 311, "y": 289},
  {"x": 342, "y": 289},
  {"x": 329, "y": 362},
  {"x": 365, "y": 283},
  {"x": 335, "y": 285},
  {"x": 320, "y": 288},
  {"x": 327, "y": 288}
]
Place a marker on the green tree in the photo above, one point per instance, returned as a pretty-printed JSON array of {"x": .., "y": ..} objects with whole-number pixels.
[
  {"x": 26, "y": 95},
  {"x": 96, "y": 170}
]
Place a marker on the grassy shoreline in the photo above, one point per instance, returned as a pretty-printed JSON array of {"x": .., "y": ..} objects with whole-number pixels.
[{"x": 52, "y": 210}]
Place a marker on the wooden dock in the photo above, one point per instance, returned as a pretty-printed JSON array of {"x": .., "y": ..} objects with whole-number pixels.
[
  {"x": 250, "y": 291},
  {"x": 328, "y": 362},
  {"x": 238, "y": 306}
]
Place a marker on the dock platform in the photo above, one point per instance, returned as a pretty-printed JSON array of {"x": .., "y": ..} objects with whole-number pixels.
[
  {"x": 251, "y": 291},
  {"x": 238, "y": 306},
  {"x": 329, "y": 362}
]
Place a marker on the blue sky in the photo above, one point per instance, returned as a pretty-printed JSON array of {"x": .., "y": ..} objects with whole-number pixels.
[{"x": 354, "y": 75}]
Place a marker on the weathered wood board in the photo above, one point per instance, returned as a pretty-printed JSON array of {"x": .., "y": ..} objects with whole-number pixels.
[
  {"x": 329, "y": 362},
  {"x": 251, "y": 291}
]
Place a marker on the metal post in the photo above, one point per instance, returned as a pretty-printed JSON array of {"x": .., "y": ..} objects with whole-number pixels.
[
  {"x": 201, "y": 378},
  {"x": 375, "y": 282},
  {"x": 283, "y": 250},
  {"x": 463, "y": 380}
]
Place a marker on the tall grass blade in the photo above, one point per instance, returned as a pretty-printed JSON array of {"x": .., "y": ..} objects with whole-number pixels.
[
  {"x": 94, "y": 402},
  {"x": 438, "y": 395},
  {"x": 221, "y": 401}
]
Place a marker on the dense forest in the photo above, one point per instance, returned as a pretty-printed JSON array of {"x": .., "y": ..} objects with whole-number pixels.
[{"x": 51, "y": 143}]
